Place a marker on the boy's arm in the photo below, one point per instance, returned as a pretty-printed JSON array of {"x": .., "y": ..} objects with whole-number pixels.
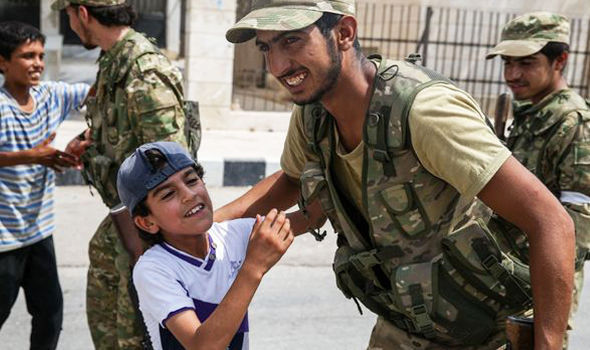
[
  {"x": 269, "y": 240},
  {"x": 71, "y": 96},
  {"x": 42, "y": 154}
]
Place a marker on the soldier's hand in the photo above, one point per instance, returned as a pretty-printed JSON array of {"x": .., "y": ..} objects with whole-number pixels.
[
  {"x": 78, "y": 145},
  {"x": 48, "y": 156},
  {"x": 269, "y": 240}
]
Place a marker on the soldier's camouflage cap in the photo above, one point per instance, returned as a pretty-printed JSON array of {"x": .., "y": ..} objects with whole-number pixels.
[
  {"x": 285, "y": 15},
  {"x": 528, "y": 34},
  {"x": 62, "y": 4}
]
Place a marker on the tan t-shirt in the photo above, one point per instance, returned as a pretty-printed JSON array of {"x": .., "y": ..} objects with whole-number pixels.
[{"x": 449, "y": 135}]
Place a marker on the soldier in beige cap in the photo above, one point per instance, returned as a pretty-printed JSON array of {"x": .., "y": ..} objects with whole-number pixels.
[
  {"x": 550, "y": 134},
  {"x": 394, "y": 155},
  {"x": 137, "y": 98}
]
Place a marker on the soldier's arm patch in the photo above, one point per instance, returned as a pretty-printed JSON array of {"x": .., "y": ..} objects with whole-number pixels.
[
  {"x": 582, "y": 153},
  {"x": 154, "y": 109}
]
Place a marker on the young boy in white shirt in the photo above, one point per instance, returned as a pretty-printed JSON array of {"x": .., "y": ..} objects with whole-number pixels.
[{"x": 195, "y": 283}]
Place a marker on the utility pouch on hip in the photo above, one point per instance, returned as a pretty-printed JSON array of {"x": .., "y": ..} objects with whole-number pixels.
[
  {"x": 422, "y": 298},
  {"x": 474, "y": 258}
]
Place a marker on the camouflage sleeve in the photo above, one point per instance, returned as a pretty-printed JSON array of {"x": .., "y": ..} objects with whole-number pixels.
[
  {"x": 154, "y": 110},
  {"x": 568, "y": 153},
  {"x": 571, "y": 156}
]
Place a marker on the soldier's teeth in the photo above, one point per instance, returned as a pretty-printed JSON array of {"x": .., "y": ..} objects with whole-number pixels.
[{"x": 295, "y": 80}]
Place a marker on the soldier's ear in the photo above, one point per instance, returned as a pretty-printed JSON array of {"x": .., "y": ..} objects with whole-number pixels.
[
  {"x": 561, "y": 61},
  {"x": 346, "y": 32},
  {"x": 147, "y": 224}
]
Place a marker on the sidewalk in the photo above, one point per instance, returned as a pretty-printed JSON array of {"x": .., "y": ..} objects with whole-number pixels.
[{"x": 230, "y": 157}]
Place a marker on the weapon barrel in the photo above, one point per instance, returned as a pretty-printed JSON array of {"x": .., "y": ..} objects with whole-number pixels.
[{"x": 501, "y": 114}]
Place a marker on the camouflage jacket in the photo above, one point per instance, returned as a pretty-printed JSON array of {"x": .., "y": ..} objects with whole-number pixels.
[
  {"x": 137, "y": 99},
  {"x": 552, "y": 140},
  {"x": 423, "y": 261}
]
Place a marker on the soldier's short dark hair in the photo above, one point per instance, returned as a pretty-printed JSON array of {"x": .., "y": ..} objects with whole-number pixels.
[
  {"x": 142, "y": 209},
  {"x": 112, "y": 16},
  {"x": 327, "y": 22},
  {"x": 13, "y": 34},
  {"x": 553, "y": 49}
]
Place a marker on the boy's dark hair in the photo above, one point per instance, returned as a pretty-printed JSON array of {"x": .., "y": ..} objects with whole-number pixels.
[
  {"x": 142, "y": 209},
  {"x": 327, "y": 22},
  {"x": 112, "y": 16},
  {"x": 13, "y": 34},
  {"x": 553, "y": 49}
]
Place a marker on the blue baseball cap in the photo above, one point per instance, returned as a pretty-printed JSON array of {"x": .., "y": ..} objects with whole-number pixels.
[{"x": 137, "y": 176}]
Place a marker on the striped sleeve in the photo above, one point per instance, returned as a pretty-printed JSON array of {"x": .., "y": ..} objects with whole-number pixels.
[{"x": 70, "y": 96}]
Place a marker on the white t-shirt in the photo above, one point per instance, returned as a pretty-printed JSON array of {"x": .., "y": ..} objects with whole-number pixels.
[{"x": 169, "y": 281}]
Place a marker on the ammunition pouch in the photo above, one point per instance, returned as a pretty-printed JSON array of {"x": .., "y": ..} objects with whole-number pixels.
[
  {"x": 192, "y": 127},
  {"x": 97, "y": 168},
  {"x": 455, "y": 298}
]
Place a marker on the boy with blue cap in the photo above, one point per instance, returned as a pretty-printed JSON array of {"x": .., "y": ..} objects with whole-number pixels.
[{"x": 195, "y": 283}]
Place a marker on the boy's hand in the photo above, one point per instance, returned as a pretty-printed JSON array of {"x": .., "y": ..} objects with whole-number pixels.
[
  {"x": 269, "y": 240},
  {"x": 46, "y": 155}
]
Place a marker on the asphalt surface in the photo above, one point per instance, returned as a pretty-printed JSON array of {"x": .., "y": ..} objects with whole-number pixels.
[{"x": 297, "y": 306}]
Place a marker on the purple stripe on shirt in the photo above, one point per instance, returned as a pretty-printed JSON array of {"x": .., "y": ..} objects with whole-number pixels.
[
  {"x": 186, "y": 258},
  {"x": 205, "y": 309}
]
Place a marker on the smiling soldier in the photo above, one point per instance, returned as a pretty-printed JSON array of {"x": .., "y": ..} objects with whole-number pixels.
[
  {"x": 394, "y": 154},
  {"x": 550, "y": 134}
]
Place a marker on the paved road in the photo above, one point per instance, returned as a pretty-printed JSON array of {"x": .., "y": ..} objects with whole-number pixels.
[{"x": 297, "y": 305}]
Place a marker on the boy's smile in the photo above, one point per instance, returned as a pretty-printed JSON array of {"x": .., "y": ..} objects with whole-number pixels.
[
  {"x": 180, "y": 208},
  {"x": 25, "y": 67}
]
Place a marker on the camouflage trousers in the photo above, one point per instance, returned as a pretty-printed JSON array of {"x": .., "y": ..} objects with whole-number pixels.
[
  {"x": 386, "y": 336},
  {"x": 112, "y": 318}
]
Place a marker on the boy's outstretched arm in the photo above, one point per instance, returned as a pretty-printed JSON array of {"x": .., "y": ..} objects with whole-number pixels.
[
  {"x": 42, "y": 154},
  {"x": 269, "y": 240}
]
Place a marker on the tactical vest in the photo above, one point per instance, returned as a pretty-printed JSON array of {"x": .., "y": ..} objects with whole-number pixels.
[
  {"x": 422, "y": 261},
  {"x": 108, "y": 118},
  {"x": 537, "y": 141}
]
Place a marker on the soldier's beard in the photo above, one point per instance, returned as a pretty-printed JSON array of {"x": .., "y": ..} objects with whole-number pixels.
[
  {"x": 86, "y": 40},
  {"x": 331, "y": 75}
]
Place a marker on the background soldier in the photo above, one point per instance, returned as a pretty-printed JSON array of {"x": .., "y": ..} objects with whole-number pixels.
[
  {"x": 392, "y": 151},
  {"x": 137, "y": 98},
  {"x": 550, "y": 134}
]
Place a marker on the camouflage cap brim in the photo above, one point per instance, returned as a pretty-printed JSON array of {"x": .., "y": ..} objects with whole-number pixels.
[
  {"x": 517, "y": 48},
  {"x": 58, "y": 5},
  {"x": 273, "y": 18}
]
